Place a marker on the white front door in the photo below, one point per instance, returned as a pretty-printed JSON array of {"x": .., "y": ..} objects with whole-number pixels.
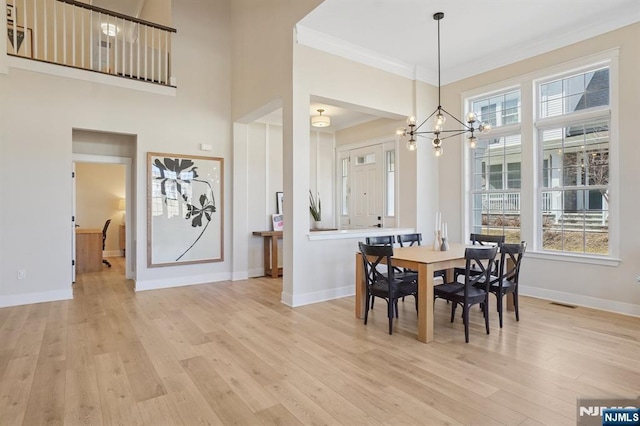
[{"x": 366, "y": 206}]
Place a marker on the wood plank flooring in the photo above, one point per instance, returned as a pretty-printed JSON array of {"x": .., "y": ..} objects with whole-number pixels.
[{"x": 231, "y": 353}]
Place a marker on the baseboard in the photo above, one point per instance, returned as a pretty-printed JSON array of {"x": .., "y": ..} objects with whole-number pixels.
[
  {"x": 156, "y": 284},
  {"x": 580, "y": 300},
  {"x": 317, "y": 296},
  {"x": 239, "y": 276},
  {"x": 112, "y": 253},
  {"x": 30, "y": 298}
]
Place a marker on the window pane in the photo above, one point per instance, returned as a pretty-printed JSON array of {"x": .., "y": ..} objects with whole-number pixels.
[
  {"x": 390, "y": 164},
  {"x": 498, "y": 110},
  {"x": 575, "y": 217},
  {"x": 575, "y": 93}
]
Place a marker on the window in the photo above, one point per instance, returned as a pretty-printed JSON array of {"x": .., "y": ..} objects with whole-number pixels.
[
  {"x": 575, "y": 194},
  {"x": 574, "y": 164},
  {"x": 496, "y": 187},
  {"x": 390, "y": 181},
  {"x": 498, "y": 110},
  {"x": 574, "y": 93},
  {"x": 344, "y": 177}
]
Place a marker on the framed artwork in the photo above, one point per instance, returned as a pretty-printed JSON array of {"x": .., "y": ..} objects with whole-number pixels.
[
  {"x": 279, "y": 202},
  {"x": 19, "y": 42},
  {"x": 278, "y": 224},
  {"x": 185, "y": 205},
  {"x": 11, "y": 13}
]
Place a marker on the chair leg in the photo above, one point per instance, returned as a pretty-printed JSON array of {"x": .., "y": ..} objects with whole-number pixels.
[
  {"x": 499, "y": 298},
  {"x": 372, "y": 300},
  {"x": 486, "y": 313},
  {"x": 465, "y": 313},
  {"x": 453, "y": 311},
  {"x": 106, "y": 262},
  {"x": 396, "y": 307},
  {"x": 366, "y": 308},
  {"x": 390, "y": 315},
  {"x": 515, "y": 304}
]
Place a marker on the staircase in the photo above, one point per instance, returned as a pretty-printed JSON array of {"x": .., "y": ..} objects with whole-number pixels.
[{"x": 595, "y": 221}]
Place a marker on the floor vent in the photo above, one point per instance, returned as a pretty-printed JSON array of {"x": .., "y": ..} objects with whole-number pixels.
[{"x": 563, "y": 305}]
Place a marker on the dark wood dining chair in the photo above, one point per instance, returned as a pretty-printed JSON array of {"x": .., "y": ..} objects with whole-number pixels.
[
  {"x": 384, "y": 285},
  {"x": 481, "y": 240},
  {"x": 475, "y": 289},
  {"x": 509, "y": 274}
]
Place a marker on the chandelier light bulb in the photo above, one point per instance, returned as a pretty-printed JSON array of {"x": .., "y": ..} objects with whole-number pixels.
[
  {"x": 437, "y": 128},
  {"x": 401, "y": 131},
  {"x": 411, "y": 121},
  {"x": 411, "y": 145},
  {"x": 471, "y": 117},
  {"x": 440, "y": 119},
  {"x": 484, "y": 128},
  {"x": 473, "y": 141},
  {"x": 436, "y": 142},
  {"x": 437, "y": 151}
]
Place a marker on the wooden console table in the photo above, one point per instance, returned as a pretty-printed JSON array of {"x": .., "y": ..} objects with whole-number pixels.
[{"x": 270, "y": 252}]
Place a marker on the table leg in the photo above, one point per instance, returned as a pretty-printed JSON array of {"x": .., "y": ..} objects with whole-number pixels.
[
  {"x": 267, "y": 255},
  {"x": 361, "y": 291},
  {"x": 425, "y": 302},
  {"x": 274, "y": 257}
]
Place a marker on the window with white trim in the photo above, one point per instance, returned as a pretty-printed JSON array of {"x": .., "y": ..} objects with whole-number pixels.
[
  {"x": 573, "y": 164},
  {"x": 390, "y": 182},
  {"x": 496, "y": 167}
]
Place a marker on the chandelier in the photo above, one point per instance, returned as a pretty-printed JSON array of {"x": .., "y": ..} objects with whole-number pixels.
[{"x": 438, "y": 132}]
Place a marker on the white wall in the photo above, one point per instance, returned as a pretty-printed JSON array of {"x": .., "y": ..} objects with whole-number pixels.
[{"x": 40, "y": 110}]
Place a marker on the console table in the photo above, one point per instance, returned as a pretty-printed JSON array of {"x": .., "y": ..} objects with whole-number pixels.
[
  {"x": 270, "y": 252},
  {"x": 88, "y": 250}
]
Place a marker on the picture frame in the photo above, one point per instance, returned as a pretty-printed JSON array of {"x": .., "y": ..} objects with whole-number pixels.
[
  {"x": 278, "y": 222},
  {"x": 23, "y": 40},
  {"x": 185, "y": 209},
  {"x": 11, "y": 13},
  {"x": 279, "y": 205}
]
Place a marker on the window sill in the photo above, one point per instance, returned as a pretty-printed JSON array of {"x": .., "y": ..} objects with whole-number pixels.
[{"x": 577, "y": 258}]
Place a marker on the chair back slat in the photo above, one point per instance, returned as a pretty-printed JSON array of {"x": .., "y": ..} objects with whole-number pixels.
[
  {"x": 410, "y": 240},
  {"x": 384, "y": 240},
  {"x": 484, "y": 239},
  {"x": 512, "y": 255},
  {"x": 482, "y": 262},
  {"x": 381, "y": 255}
]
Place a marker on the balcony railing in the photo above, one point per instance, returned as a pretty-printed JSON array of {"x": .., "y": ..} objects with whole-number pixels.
[{"x": 74, "y": 34}]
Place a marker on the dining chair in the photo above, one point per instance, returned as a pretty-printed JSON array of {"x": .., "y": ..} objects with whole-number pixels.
[
  {"x": 481, "y": 240},
  {"x": 384, "y": 285},
  {"x": 416, "y": 240},
  {"x": 475, "y": 289},
  {"x": 509, "y": 274},
  {"x": 400, "y": 274}
]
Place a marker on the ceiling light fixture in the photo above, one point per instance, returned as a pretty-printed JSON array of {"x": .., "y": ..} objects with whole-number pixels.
[
  {"x": 320, "y": 120},
  {"x": 439, "y": 118},
  {"x": 109, "y": 29}
]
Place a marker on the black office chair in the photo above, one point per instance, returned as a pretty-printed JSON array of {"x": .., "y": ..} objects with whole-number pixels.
[{"x": 104, "y": 240}]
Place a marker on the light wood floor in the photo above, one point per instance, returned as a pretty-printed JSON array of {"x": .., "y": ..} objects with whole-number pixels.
[{"x": 231, "y": 353}]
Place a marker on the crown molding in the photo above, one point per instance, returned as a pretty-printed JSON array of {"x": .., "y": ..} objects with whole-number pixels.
[
  {"x": 474, "y": 66},
  {"x": 335, "y": 46}
]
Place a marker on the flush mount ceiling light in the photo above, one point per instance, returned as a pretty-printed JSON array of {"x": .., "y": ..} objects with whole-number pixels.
[
  {"x": 109, "y": 29},
  {"x": 439, "y": 118},
  {"x": 320, "y": 120}
]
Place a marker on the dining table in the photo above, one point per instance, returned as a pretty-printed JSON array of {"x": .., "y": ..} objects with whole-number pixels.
[{"x": 426, "y": 261}]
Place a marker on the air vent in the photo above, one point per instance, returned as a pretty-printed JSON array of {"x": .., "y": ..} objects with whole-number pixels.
[{"x": 564, "y": 305}]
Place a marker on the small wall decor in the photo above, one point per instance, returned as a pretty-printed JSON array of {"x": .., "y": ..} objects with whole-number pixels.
[
  {"x": 19, "y": 41},
  {"x": 279, "y": 198},
  {"x": 278, "y": 223},
  {"x": 11, "y": 13},
  {"x": 184, "y": 209}
]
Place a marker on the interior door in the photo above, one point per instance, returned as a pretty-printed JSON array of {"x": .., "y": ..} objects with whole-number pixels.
[
  {"x": 366, "y": 187},
  {"x": 73, "y": 223}
]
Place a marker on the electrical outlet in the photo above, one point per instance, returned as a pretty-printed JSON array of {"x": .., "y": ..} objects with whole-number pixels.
[{"x": 22, "y": 274}]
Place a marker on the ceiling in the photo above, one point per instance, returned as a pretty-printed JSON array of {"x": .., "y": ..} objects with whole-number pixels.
[{"x": 401, "y": 35}]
